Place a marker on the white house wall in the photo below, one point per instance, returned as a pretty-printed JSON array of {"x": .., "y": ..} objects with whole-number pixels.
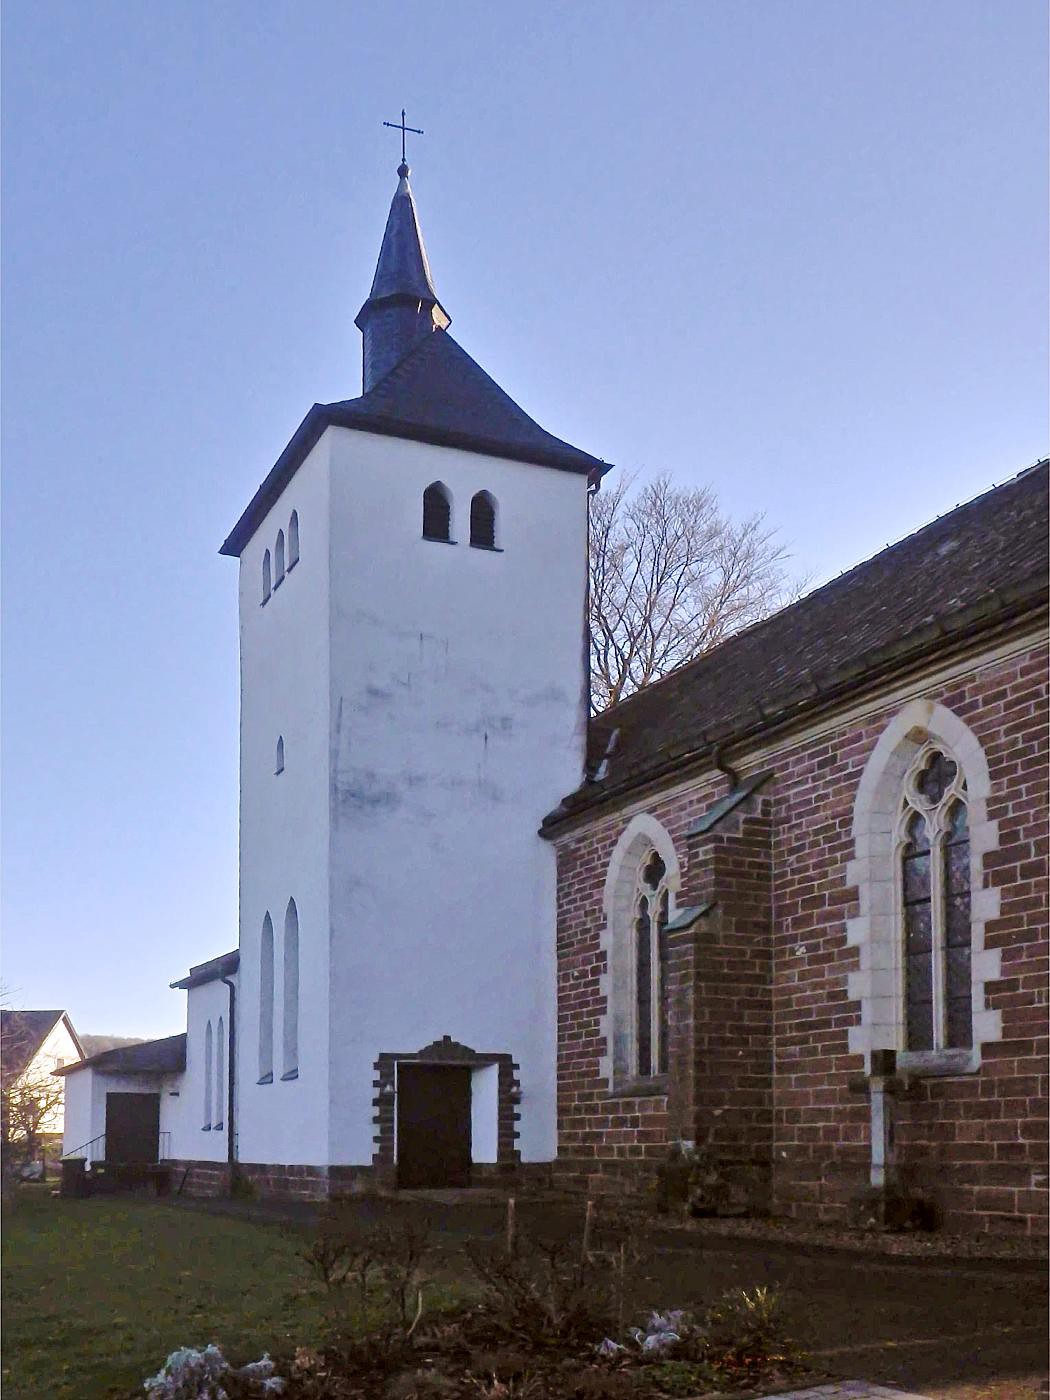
[
  {"x": 59, "y": 1048},
  {"x": 284, "y": 821},
  {"x": 79, "y": 1122},
  {"x": 458, "y": 718},
  {"x": 195, "y": 1136}
]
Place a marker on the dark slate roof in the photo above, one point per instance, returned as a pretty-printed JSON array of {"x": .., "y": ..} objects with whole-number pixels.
[
  {"x": 210, "y": 971},
  {"x": 167, "y": 1056},
  {"x": 436, "y": 394},
  {"x": 22, "y": 1033},
  {"x": 403, "y": 269},
  {"x": 977, "y": 570},
  {"x": 95, "y": 1044}
]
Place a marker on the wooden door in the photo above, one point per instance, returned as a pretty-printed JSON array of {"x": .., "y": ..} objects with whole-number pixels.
[
  {"x": 433, "y": 1125},
  {"x": 132, "y": 1127}
]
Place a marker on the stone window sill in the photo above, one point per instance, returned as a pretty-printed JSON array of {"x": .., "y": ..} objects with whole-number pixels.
[
  {"x": 292, "y": 1074},
  {"x": 437, "y": 539},
  {"x": 649, "y": 1088},
  {"x": 265, "y": 1079},
  {"x": 492, "y": 548},
  {"x": 923, "y": 1064}
]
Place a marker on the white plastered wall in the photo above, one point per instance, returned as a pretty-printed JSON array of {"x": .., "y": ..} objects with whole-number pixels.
[
  {"x": 284, "y": 821},
  {"x": 194, "y": 1139},
  {"x": 458, "y": 718}
]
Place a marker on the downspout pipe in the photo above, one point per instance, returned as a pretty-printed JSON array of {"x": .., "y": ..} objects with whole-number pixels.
[{"x": 231, "y": 1076}]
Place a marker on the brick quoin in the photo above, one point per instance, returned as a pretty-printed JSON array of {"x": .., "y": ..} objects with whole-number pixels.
[{"x": 760, "y": 1007}]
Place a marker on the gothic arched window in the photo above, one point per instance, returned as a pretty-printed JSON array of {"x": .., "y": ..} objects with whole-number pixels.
[
  {"x": 266, "y": 1002},
  {"x": 437, "y": 513},
  {"x": 219, "y": 1114},
  {"x": 266, "y": 576},
  {"x": 278, "y": 766},
  {"x": 207, "y": 1077},
  {"x": 293, "y": 541},
  {"x": 278, "y": 560},
  {"x": 934, "y": 886},
  {"x": 290, "y": 1021},
  {"x": 483, "y": 521},
  {"x": 650, "y": 967}
]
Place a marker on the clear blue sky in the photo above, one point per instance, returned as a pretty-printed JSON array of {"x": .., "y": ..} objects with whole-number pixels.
[{"x": 792, "y": 248}]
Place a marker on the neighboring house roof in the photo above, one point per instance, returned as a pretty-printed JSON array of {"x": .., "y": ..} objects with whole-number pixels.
[
  {"x": 975, "y": 571},
  {"x": 166, "y": 1056},
  {"x": 209, "y": 971},
  {"x": 95, "y": 1044},
  {"x": 22, "y": 1033},
  {"x": 436, "y": 394}
]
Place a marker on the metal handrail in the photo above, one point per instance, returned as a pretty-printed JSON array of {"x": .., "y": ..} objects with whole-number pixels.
[{"x": 84, "y": 1150}]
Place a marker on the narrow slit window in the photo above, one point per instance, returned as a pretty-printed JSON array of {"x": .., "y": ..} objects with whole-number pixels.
[
  {"x": 293, "y": 541},
  {"x": 483, "y": 521},
  {"x": 266, "y": 576},
  {"x": 278, "y": 766},
  {"x": 290, "y": 1021},
  {"x": 207, "y": 1077},
  {"x": 437, "y": 513},
  {"x": 278, "y": 560},
  {"x": 219, "y": 1112},
  {"x": 266, "y": 1002}
]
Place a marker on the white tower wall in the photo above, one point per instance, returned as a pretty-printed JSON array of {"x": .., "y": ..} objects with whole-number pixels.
[
  {"x": 458, "y": 719},
  {"x": 284, "y": 821}
]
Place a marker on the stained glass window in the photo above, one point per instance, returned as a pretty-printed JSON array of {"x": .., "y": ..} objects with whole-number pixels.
[
  {"x": 935, "y": 906},
  {"x": 652, "y": 908}
]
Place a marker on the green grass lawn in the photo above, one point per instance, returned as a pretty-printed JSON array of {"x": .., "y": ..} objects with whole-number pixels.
[{"x": 98, "y": 1292}]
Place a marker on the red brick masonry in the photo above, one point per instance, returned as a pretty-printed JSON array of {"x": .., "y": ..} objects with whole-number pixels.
[{"x": 760, "y": 1011}]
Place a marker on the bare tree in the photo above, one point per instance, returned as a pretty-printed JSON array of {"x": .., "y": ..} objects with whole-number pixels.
[
  {"x": 671, "y": 576},
  {"x": 31, "y": 1097}
]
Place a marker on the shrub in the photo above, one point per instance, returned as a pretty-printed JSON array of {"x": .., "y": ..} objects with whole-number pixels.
[
  {"x": 747, "y": 1329},
  {"x": 189, "y": 1374},
  {"x": 545, "y": 1293}
]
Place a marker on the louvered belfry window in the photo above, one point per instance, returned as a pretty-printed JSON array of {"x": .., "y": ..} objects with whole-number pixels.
[
  {"x": 650, "y": 940},
  {"x": 934, "y": 888},
  {"x": 437, "y": 513}
]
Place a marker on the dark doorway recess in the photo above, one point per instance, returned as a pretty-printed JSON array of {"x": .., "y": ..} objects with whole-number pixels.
[
  {"x": 132, "y": 1127},
  {"x": 433, "y": 1125}
]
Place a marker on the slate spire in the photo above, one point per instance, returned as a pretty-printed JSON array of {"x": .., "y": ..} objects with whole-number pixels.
[{"x": 402, "y": 307}]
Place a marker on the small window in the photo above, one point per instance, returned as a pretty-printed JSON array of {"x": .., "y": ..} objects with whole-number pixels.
[
  {"x": 483, "y": 521},
  {"x": 293, "y": 541},
  {"x": 650, "y": 946},
  {"x": 279, "y": 763},
  {"x": 278, "y": 560},
  {"x": 266, "y": 576},
  {"x": 437, "y": 513}
]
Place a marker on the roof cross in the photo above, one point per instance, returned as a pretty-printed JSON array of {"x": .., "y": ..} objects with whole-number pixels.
[{"x": 400, "y": 126}]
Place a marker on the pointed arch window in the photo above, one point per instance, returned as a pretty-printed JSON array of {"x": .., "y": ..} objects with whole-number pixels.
[
  {"x": 266, "y": 1002},
  {"x": 293, "y": 540},
  {"x": 651, "y": 913},
  {"x": 437, "y": 513},
  {"x": 278, "y": 560},
  {"x": 207, "y": 1077},
  {"x": 483, "y": 521},
  {"x": 278, "y": 766},
  {"x": 266, "y": 589},
  {"x": 933, "y": 860},
  {"x": 290, "y": 1019},
  {"x": 219, "y": 1111}
]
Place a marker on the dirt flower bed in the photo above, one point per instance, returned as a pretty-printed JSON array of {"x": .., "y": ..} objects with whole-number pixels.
[{"x": 547, "y": 1318}]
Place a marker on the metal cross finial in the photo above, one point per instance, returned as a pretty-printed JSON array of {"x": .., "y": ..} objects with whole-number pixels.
[{"x": 400, "y": 126}]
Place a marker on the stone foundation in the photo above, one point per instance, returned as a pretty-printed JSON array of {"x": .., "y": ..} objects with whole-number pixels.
[{"x": 281, "y": 1182}]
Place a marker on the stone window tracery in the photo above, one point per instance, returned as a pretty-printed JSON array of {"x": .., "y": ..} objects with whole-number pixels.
[
  {"x": 934, "y": 862},
  {"x": 651, "y": 913}
]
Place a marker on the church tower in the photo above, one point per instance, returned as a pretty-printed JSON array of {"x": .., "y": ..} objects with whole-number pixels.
[{"x": 413, "y": 701}]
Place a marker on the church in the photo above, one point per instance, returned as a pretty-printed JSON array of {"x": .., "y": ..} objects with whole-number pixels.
[{"x": 785, "y": 908}]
